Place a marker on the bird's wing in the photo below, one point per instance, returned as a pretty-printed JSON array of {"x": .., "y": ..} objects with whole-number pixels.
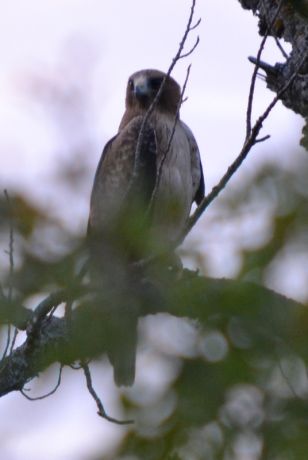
[
  {"x": 120, "y": 176},
  {"x": 196, "y": 166},
  {"x": 122, "y": 190}
]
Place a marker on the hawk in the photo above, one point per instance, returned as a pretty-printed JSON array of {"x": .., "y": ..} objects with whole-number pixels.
[{"x": 147, "y": 179}]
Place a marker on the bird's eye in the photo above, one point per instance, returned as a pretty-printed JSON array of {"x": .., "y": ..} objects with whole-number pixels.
[{"x": 130, "y": 84}]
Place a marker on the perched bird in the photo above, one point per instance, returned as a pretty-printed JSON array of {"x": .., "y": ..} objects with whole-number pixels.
[{"x": 148, "y": 176}]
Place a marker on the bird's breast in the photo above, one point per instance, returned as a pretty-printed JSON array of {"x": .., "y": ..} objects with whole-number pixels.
[{"x": 174, "y": 193}]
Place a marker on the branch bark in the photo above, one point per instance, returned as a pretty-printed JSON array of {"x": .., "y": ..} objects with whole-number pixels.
[{"x": 291, "y": 24}]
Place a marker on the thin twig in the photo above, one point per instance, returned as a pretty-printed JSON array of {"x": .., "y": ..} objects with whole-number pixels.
[
  {"x": 188, "y": 29},
  {"x": 165, "y": 153},
  {"x": 101, "y": 411},
  {"x": 38, "y": 398},
  {"x": 192, "y": 49},
  {"x": 255, "y": 72},
  {"x": 262, "y": 139},
  {"x": 195, "y": 25}
]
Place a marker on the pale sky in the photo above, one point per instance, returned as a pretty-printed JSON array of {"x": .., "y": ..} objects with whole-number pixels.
[{"x": 115, "y": 38}]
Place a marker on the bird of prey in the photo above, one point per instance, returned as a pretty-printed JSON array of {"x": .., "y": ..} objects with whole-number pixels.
[{"x": 147, "y": 179}]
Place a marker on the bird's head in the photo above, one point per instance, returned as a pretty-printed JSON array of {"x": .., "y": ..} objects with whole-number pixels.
[{"x": 143, "y": 86}]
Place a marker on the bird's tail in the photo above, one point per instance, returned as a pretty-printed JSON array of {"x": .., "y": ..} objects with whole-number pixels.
[{"x": 122, "y": 354}]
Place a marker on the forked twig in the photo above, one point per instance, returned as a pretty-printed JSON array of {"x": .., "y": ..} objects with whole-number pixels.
[{"x": 101, "y": 411}]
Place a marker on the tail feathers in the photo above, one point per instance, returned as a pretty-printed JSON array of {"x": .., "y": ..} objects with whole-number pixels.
[
  {"x": 124, "y": 369},
  {"x": 123, "y": 359}
]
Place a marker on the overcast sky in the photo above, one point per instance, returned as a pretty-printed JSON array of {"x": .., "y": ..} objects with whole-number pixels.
[
  {"x": 47, "y": 38},
  {"x": 103, "y": 42}
]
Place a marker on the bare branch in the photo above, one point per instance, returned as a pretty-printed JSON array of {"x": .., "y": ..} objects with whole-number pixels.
[
  {"x": 67, "y": 344},
  {"x": 192, "y": 49},
  {"x": 195, "y": 25},
  {"x": 24, "y": 364},
  {"x": 101, "y": 411},
  {"x": 248, "y": 144},
  {"x": 188, "y": 29}
]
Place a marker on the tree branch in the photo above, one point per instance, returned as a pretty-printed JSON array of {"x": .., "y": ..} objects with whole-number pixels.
[
  {"x": 191, "y": 296},
  {"x": 291, "y": 25}
]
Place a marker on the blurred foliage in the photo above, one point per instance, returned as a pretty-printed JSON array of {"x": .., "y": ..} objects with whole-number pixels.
[{"x": 231, "y": 381}]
